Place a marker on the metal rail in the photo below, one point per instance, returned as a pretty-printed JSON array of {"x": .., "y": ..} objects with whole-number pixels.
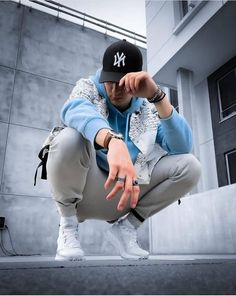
[{"x": 90, "y": 19}]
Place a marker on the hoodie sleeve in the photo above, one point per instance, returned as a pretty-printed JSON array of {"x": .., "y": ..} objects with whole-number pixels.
[
  {"x": 81, "y": 114},
  {"x": 174, "y": 134}
]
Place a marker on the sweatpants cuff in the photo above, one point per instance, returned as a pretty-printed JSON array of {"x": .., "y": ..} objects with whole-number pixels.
[{"x": 139, "y": 217}]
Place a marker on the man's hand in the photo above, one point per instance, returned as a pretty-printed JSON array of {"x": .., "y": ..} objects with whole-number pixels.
[
  {"x": 121, "y": 166},
  {"x": 139, "y": 84}
]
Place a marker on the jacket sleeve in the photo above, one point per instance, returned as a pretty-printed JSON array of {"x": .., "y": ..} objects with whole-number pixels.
[
  {"x": 174, "y": 134},
  {"x": 80, "y": 113}
]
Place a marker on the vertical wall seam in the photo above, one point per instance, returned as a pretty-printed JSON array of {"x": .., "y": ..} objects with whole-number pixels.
[{"x": 12, "y": 95}]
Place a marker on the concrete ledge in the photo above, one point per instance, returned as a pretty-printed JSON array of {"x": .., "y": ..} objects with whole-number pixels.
[
  {"x": 204, "y": 223},
  {"x": 152, "y": 258}
]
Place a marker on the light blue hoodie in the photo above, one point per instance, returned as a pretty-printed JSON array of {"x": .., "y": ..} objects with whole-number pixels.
[{"x": 173, "y": 134}]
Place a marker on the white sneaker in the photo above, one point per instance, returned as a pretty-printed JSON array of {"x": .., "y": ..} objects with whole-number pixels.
[
  {"x": 68, "y": 244},
  {"x": 124, "y": 238}
]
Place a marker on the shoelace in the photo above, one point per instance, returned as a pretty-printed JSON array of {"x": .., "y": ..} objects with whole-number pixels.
[{"x": 71, "y": 237}]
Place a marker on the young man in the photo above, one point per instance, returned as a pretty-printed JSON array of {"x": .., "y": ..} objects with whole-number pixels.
[{"x": 122, "y": 157}]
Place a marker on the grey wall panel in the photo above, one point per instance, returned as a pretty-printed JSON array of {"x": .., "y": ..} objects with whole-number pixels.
[
  {"x": 37, "y": 101},
  {"x": 33, "y": 224},
  {"x": 3, "y": 141},
  {"x": 204, "y": 223},
  {"x": 6, "y": 90},
  {"x": 21, "y": 160},
  {"x": 10, "y": 26},
  {"x": 59, "y": 49}
]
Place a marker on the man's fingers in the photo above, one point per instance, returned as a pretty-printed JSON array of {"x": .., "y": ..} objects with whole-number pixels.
[
  {"x": 119, "y": 178},
  {"x": 133, "y": 84},
  {"x": 111, "y": 178},
  {"x": 130, "y": 191},
  {"x": 122, "y": 80},
  {"x": 126, "y": 82},
  {"x": 137, "y": 82},
  {"x": 126, "y": 194},
  {"x": 133, "y": 81},
  {"x": 119, "y": 186},
  {"x": 123, "y": 172},
  {"x": 134, "y": 196}
]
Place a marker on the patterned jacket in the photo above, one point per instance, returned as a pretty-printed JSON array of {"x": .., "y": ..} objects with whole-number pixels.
[{"x": 143, "y": 128}]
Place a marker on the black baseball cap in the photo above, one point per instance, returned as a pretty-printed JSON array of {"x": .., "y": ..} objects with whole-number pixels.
[{"x": 120, "y": 58}]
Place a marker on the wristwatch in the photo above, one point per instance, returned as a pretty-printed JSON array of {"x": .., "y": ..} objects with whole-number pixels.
[{"x": 111, "y": 134}]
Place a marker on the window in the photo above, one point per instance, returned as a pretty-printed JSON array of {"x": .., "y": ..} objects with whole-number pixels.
[
  {"x": 227, "y": 94},
  {"x": 184, "y": 12},
  {"x": 187, "y": 5},
  {"x": 231, "y": 166},
  {"x": 222, "y": 94},
  {"x": 184, "y": 7},
  {"x": 174, "y": 99}
]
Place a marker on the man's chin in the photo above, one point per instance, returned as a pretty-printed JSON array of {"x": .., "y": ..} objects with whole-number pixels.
[{"x": 118, "y": 98}]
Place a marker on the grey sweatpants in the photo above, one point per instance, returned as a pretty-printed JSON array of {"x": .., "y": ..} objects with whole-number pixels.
[{"x": 77, "y": 183}]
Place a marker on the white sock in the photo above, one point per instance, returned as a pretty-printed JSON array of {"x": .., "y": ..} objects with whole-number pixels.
[
  {"x": 132, "y": 221},
  {"x": 68, "y": 221}
]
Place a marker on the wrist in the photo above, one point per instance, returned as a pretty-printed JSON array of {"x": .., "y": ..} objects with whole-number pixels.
[
  {"x": 111, "y": 135},
  {"x": 100, "y": 136},
  {"x": 158, "y": 96},
  {"x": 114, "y": 142}
]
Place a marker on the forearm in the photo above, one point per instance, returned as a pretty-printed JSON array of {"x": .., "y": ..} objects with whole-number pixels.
[
  {"x": 83, "y": 116},
  {"x": 164, "y": 108}
]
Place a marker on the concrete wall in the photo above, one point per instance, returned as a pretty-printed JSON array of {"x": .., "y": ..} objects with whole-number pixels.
[
  {"x": 204, "y": 223},
  {"x": 40, "y": 60},
  {"x": 195, "y": 107},
  {"x": 204, "y": 142}
]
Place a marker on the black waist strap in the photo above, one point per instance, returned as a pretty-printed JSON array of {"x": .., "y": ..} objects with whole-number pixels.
[{"x": 43, "y": 155}]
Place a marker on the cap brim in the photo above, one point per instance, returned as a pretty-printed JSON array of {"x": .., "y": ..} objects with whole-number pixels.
[{"x": 110, "y": 76}]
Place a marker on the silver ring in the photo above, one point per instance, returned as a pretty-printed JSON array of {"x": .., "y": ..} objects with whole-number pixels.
[
  {"x": 120, "y": 179},
  {"x": 135, "y": 183}
]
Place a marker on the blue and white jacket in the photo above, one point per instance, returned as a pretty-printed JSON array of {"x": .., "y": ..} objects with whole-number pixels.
[{"x": 147, "y": 136}]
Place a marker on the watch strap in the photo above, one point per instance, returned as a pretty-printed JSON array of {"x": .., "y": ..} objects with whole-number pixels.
[{"x": 108, "y": 138}]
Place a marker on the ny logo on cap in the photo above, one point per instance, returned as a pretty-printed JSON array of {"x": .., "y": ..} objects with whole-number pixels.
[{"x": 118, "y": 59}]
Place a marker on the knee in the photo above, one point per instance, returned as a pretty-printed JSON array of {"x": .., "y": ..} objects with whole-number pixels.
[
  {"x": 68, "y": 146},
  {"x": 191, "y": 169}
]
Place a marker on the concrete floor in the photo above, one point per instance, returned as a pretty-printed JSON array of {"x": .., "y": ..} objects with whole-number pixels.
[{"x": 176, "y": 275}]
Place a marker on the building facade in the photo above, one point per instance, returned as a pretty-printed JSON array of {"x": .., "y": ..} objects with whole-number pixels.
[{"x": 191, "y": 51}]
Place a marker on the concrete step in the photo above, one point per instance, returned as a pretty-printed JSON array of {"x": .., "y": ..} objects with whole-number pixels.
[{"x": 97, "y": 276}]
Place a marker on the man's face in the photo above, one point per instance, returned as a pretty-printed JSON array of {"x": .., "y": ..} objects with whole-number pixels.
[{"x": 118, "y": 95}]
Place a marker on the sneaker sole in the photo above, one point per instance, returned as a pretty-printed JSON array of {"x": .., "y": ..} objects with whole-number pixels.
[
  {"x": 116, "y": 243},
  {"x": 63, "y": 258}
]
